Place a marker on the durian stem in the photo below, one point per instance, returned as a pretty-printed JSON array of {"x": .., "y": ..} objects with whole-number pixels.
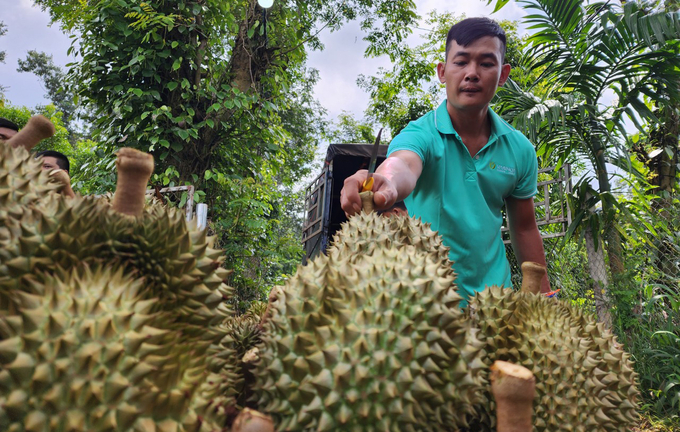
[
  {"x": 367, "y": 201},
  {"x": 37, "y": 129},
  {"x": 513, "y": 388},
  {"x": 134, "y": 171},
  {"x": 252, "y": 421},
  {"x": 532, "y": 275}
]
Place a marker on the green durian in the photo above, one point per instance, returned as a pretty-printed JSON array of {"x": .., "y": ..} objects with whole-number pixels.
[
  {"x": 369, "y": 341},
  {"x": 22, "y": 183},
  {"x": 229, "y": 385},
  {"x": 584, "y": 380},
  {"x": 51, "y": 303},
  {"x": 181, "y": 268},
  {"x": 365, "y": 232},
  {"x": 88, "y": 353}
]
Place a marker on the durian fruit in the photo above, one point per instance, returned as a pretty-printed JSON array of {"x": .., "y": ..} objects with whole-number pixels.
[
  {"x": 228, "y": 386},
  {"x": 90, "y": 354},
  {"x": 584, "y": 380},
  {"x": 365, "y": 232},
  {"x": 256, "y": 310},
  {"x": 22, "y": 182},
  {"x": 180, "y": 266},
  {"x": 178, "y": 280},
  {"x": 370, "y": 341}
]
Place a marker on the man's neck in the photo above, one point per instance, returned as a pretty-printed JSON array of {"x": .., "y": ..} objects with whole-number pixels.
[{"x": 474, "y": 127}]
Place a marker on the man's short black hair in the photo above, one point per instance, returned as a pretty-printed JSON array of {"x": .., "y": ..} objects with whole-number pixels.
[
  {"x": 8, "y": 124},
  {"x": 470, "y": 29},
  {"x": 62, "y": 160}
]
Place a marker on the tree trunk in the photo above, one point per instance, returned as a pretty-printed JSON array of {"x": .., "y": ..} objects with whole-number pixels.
[
  {"x": 597, "y": 269},
  {"x": 611, "y": 235}
]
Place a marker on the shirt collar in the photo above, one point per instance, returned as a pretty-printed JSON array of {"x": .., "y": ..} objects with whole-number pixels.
[{"x": 442, "y": 122}]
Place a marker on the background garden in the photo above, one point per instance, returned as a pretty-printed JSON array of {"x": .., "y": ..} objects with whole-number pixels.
[{"x": 221, "y": 94}]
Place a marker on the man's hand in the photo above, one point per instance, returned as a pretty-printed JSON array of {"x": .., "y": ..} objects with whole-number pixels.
[
  {"x": 64, "y": 181},
  {"x": 393, "y": 181},
  {"x": 385, "y": 194}
]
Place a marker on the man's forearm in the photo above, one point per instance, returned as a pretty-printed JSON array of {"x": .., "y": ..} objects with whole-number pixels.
[
  {"x": 401, "y": 176},
  {"x": 528, "y": 246}
]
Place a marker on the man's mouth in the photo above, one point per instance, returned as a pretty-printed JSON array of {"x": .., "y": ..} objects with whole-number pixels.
[{"x": 470, "y": 89}]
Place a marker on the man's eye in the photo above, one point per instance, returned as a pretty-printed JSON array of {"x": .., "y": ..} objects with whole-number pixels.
[
  {"x": 459, "y": 63},
  {"x": 487, "y": 64}
]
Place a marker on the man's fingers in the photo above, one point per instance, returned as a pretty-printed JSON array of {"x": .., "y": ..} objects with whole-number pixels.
[
  {"x": 350, "y": 201},
  {"x": 385, "y": 195}
]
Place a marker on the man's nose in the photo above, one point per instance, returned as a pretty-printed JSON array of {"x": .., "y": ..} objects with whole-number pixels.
[{"x": 471, "y": 74}]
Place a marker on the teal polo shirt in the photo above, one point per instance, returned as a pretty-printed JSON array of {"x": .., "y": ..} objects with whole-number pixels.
[{"x": 462, "y": 196}]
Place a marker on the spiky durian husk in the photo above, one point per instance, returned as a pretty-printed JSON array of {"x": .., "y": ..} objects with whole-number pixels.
[
  {"x": 88, "y": 353},
  {"x": 256, "y": 310},
  {"x": 229, "y": 385},
  {"x": 369, "y": 342},
  {"x": 584, "y": 380},
  {"x": 22, "y": 182},
  {"x": 365, "y": 232},
  {"x": 181, "y": 268}
]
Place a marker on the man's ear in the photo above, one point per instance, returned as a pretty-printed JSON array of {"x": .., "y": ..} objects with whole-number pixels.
[
  {"x": 440, "y": 72},
  {"x": 505, "y": 74}
]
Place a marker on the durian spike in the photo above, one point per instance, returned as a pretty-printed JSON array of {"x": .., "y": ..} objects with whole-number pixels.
[
  {"x": 513, "y": 388},
  {"x": 532, "y": 275},
  {"x": 134, "y": 171},
  {"x": 37, "y": 129},
  {"x": 367, "y": 201},
  {"x": 252, "y": 421}
]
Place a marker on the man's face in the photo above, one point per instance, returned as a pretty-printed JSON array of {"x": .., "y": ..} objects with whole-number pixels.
[
  {"x": 473, "y": 73},
  {"x": 50, "y": 163},
  {"x": 6, "y": 133}
]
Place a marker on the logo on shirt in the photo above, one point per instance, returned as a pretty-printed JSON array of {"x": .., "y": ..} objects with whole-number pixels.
[{"x": 502, "y": 168}]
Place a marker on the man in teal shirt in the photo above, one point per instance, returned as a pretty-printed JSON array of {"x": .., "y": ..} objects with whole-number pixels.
[{"x": 457, "y": 166}]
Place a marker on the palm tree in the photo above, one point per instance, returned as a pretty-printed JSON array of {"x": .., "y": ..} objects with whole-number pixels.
[{"x": 588, "y": 53}]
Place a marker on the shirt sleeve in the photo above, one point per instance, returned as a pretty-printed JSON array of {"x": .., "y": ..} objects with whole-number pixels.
[
  {"x": 412, "y": 138},
  {"x": 527, "y": 181}
]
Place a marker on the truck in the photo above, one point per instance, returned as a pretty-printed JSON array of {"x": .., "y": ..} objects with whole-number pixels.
[{"x": 323, "y": 215}]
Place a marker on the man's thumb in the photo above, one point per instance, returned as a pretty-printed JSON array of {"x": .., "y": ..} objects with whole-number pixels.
[{"x": 380, "y": 199}]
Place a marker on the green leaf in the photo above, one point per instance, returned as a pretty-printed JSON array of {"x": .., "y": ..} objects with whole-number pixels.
[
  {"x": 137, "y": 92},
  {"x": 176, "y": 65},
  {"x": 176, "y": 146},
  {"x": 172, "y": 85}
]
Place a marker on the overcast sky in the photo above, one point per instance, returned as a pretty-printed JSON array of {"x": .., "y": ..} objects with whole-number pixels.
[{"x": 339, "y": 65}]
